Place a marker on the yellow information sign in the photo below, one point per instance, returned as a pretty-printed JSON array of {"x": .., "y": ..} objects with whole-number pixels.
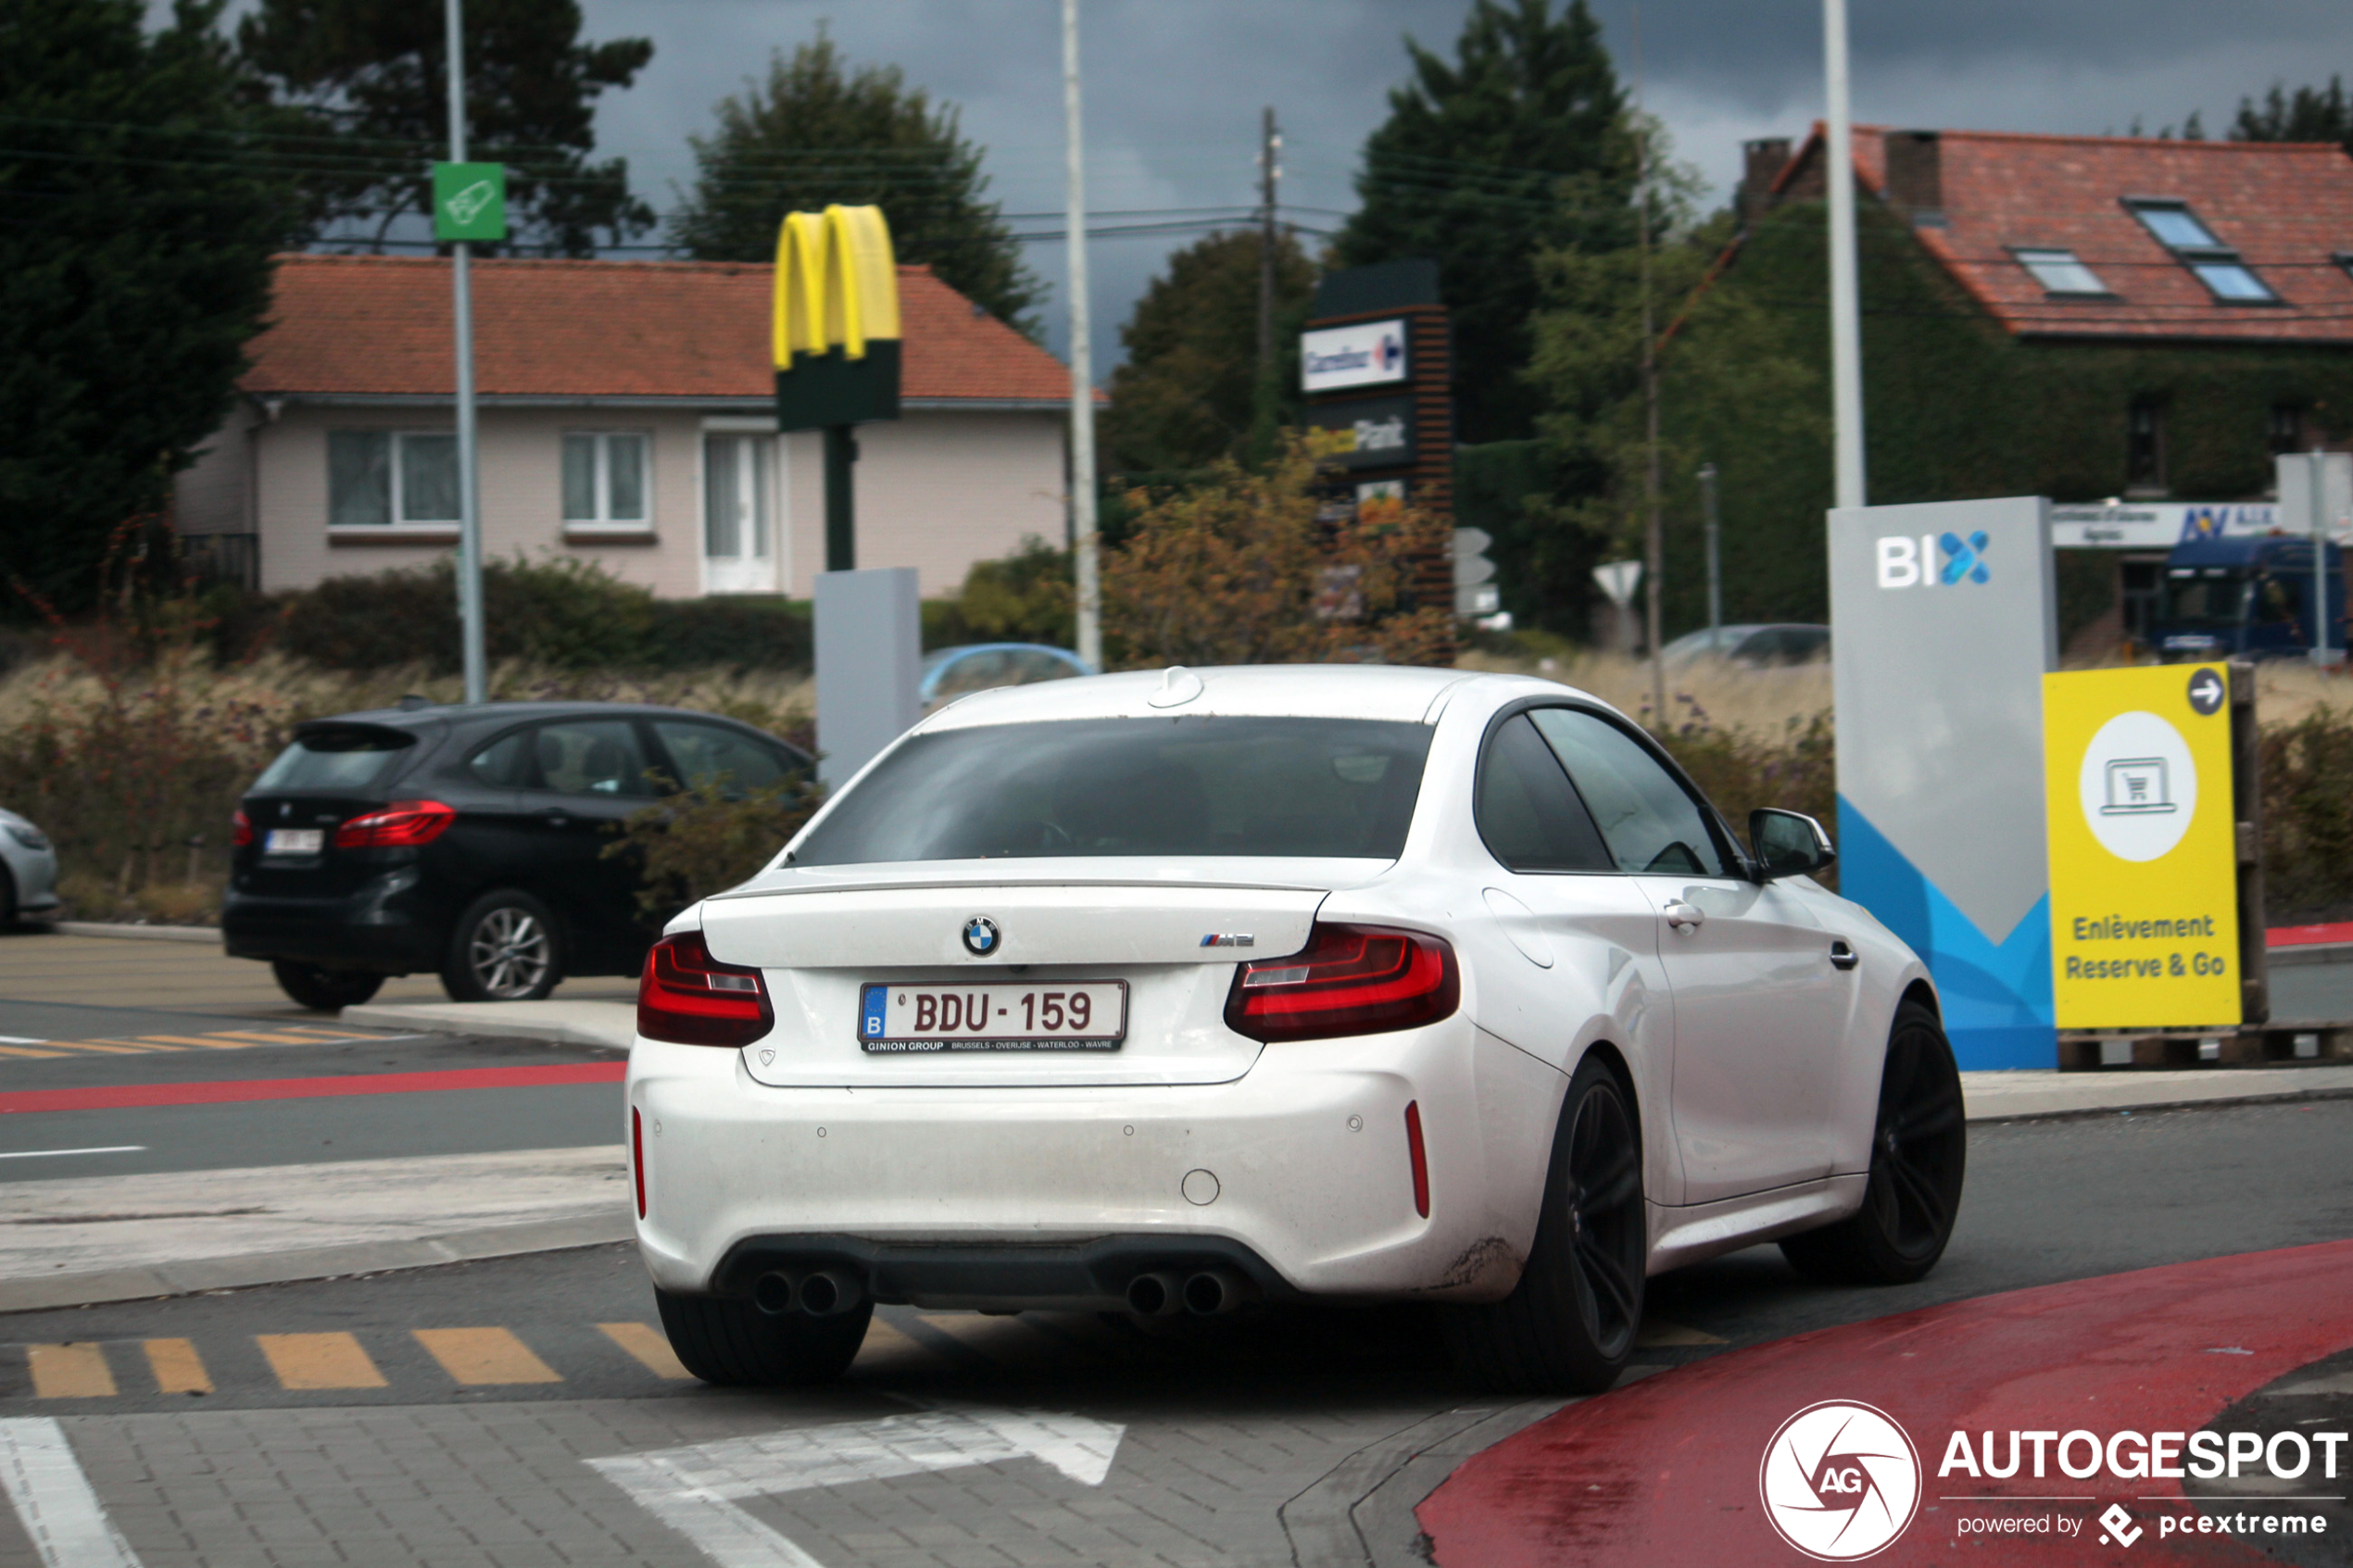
[{"x": 2144, "y": 867}]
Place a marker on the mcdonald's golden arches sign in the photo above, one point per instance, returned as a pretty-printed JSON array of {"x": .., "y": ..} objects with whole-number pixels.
[{"x": 835, "y": 325}]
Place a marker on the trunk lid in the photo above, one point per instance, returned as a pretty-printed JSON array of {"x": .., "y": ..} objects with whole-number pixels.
[{"x": 821, "y": 936}]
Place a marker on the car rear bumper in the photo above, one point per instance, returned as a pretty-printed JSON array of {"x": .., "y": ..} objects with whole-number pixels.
[
  {"x": 1296, "y": 1176},
  {"x": 373, "y": 928}
]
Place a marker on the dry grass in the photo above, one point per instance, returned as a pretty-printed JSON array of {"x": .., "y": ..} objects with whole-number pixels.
[{"x": 1728, "y": 697}]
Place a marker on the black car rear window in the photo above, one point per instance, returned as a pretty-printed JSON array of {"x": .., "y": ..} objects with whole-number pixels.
[
  {"x": 1133, "y": 786},
  {"x": 345, "y": 759}
]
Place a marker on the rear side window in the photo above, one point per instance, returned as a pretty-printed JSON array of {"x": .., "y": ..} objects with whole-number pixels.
[
  {"x": 1530, "y": 816},
  {"x": 1648, "y": 822},
  {"x": 705, "y": 754},
  {"x": 337, "y": 759},
  {"x": 591, "y": 757},
  {"x": 1205, "y": 786},
  {"x": 505, "y": 763}
]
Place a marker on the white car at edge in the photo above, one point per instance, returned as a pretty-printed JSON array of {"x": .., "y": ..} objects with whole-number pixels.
[{"x": 1176, "y": 991}]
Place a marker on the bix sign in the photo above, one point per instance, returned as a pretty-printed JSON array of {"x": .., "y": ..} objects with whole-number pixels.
[
  {"x": 1932, "y": 561},
  {"x": 1360, "y": 353}
]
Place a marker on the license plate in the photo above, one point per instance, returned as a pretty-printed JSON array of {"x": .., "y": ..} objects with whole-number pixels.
[
  {"x": 1084, "y": 1015},
  {"x": 293, "y": 841}
]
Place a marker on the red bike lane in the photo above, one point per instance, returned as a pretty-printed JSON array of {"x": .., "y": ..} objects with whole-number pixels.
[{"x": 1669, "y": 1471}]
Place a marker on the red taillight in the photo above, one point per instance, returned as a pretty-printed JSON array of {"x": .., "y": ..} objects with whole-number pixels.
[
  {"x": 690, "y": 997},
  {"x": 240, "y": 830},
  {"x": 637, "y": 1158},
  {"x": 402, "y": 824},
  {"x": 1348, "y": 980},
  {"x": 1413, "y": 1152}
]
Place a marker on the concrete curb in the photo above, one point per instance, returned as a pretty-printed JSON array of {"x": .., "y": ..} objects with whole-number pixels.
[
  {"x": 602, "y": 1025},
  {"x": 209, "y": 935},
  {"x": 316, "y": 1263}
]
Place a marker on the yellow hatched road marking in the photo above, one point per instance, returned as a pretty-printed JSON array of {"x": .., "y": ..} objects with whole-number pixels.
[
  {"x": 650, "y": 1348},
  {"x": 178, "y": 1368},
  {"x": 69, "y": 1372},
  {"x": 318, "y": 1360},
  {"x": 26, "y": 1050},
  {"x": 883, "y": 1340},
  {"x": 309, "y": 1034},
  {"x": 112, "y": 1047},
  {"x": 1658, "y": 1334},
  {"x": 184, "y": 1040},
  {"x": 240, "y": 1036},
  {"x": 485, "y": 1355}
]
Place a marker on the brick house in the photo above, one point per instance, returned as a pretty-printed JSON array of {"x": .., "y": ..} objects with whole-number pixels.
[
  {"x": 625, "y": 413},
  {"x": 2078, "y": 317}
]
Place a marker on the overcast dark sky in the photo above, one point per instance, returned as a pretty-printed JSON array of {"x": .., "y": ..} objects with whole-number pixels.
[{"x": 1174, "y": 88}]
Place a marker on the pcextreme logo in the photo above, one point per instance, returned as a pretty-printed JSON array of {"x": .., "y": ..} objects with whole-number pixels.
[
  {"x": 1908, "y": 562},
  {"x": 1840, "y": 1481}
]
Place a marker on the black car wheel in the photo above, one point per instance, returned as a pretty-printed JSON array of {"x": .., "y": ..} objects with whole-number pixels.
[
  {"x": 505, "y": 948},
  {"x": 1920, "y": 1151},
  {"x": 325, "y": 990},
  {"x": 734, "y": 1343},
  {"x": 1569, "y": 1324},
  {"x": 7, "y": 899}
]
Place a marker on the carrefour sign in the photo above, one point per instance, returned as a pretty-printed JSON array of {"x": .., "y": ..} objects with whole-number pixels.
[{"x": 1361, "y": 354}]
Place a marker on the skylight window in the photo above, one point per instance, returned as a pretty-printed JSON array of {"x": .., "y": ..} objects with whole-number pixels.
[
  {"x": 2217, "y": 265},
  {"x": 2059, "y": 273}
]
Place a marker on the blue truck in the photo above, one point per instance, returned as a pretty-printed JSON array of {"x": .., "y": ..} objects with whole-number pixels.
[{"x": 2245, "y": 596}]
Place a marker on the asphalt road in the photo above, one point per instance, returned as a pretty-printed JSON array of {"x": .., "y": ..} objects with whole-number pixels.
[
  {"x": 118, "y": 1055},
  {"x": 1259, "y": 1441}
]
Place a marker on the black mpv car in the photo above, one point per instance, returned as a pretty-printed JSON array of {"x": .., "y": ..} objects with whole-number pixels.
[{"x": 466, "y": 841}]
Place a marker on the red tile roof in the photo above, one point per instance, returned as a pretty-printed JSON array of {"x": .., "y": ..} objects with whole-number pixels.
[
  {"x": 357, "y": 325},
  {"x": 2286, "y": 208}
]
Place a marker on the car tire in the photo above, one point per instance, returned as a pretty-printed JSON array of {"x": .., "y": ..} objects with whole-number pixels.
[
  {"x": 1920, "y": 1154},
  {"x": 8, "y": 911},
  {"x": 1568, "y": 1327},
  {"x": 506, "y": 948},
  {"x": 734, "y": 1344},
  {"x": 325, "y": 990}
]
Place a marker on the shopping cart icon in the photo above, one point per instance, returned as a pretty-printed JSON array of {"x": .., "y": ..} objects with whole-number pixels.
[{"x": 2136, "y": 787}]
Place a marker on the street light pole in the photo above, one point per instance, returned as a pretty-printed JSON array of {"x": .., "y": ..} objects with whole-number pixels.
[
  {"x": 1715, "y": 562},
  {"x": 1846, "y": 326},
  {"x": 468, "y": 488},
  {"x": 1082, "y": 390}
]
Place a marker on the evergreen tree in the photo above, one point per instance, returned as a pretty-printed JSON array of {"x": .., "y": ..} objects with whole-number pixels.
[
  {"x": 1518, "y": 145},
  {"x": 134, "y": 266},
  {"x": 373, "y": 78},
  {"x": 1189, "y": 391},
  {"x": 816, "y": 132},
  {"x": 2309, "y": 114}
]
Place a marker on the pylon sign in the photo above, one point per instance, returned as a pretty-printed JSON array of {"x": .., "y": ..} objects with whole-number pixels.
[
  {"x": 835, "y": 325},
  {"x": 2143, "y": 849}
]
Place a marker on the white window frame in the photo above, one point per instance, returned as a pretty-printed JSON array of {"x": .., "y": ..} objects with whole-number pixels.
[
  {"x": 779, "y": 495},
  {"x": 396, "y": 526},
  {"x": 604, "y": 521},
  {"x": 2060, "y": 259}
]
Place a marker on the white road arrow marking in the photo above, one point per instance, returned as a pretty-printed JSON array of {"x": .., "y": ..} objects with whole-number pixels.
[
  {"x": 54, "y": 1499},
  {"x": 694, "y": 1490}
]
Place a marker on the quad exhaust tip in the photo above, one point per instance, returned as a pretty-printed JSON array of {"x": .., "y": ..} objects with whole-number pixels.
[
  {"x": 821, "y": 1293},
  {"x": 1205, "y": 1293}
]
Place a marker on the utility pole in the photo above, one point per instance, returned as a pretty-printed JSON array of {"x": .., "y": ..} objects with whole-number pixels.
[
  {"x": 1846, "y": 324},
  {"x": 2320, "y": 558},
  {"x": 1654, "y": 523},
  {"x": 1082, "y": 390},
  {"x": 1270, "y": 142},
  {"x": 468, "y": 488},
  {"x": 1715, "y": 562}
]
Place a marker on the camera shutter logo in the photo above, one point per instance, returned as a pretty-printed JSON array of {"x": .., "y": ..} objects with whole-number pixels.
[{"x": 1840, "y": 1481}]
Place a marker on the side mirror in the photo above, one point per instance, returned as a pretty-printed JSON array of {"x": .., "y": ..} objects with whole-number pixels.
[{"x": 1788, "y": 842}]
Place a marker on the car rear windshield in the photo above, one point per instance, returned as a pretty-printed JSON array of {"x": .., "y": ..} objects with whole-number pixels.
[
  {"x": 1133, "y": 787},
  {"x": 339, "y": 760}
]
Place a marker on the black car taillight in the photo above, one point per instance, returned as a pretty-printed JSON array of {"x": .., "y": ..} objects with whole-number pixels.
[
  {"x": 1348, "y": 980},
  {"x": 691, "y": 999},
  {"x": 402, "y": 824}
]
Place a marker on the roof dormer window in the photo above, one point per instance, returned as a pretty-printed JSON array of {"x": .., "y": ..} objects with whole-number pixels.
[
  {"x": 2059, "y": 273},
  {"x": 2217, "y": 266}
]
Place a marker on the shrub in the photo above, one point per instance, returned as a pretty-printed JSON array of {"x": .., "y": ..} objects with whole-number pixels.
[
  {"x": 2307, "y": 815},
  {"x": 1027, "y": 597},
  {"x": 708, "y": 839}
]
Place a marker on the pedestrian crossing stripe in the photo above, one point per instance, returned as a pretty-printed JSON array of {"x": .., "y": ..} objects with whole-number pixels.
[{"x": 217, "y": 1040}]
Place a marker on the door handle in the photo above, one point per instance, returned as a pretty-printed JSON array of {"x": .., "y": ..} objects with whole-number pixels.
[
  {"x": 1843, "y": 955},
  {"x": 1685, "y": 917},
  {"x": 554, "y": 816}
]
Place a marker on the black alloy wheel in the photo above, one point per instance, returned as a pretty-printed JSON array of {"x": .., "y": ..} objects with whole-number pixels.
[
  {"x": 325, "y": 990},
  {"x": 505, "y": 948},
  {"x": 1568, "y": 1327},
  {"x": 1920, "y": 1154}
]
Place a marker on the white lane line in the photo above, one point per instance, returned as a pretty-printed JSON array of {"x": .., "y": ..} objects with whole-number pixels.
[
  {"x": 20, "y": 1040},
  {"x": 54, "y": 1499},
  {"x": 694, "y": 1489},
  {"x": 61, "y": 1153}
]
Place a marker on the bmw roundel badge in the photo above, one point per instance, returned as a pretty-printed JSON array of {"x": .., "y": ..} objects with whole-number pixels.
[{"x": 980, "y": 937}]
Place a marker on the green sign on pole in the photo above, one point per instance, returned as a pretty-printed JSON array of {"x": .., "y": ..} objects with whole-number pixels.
[{"x": 469, "y": 201}]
